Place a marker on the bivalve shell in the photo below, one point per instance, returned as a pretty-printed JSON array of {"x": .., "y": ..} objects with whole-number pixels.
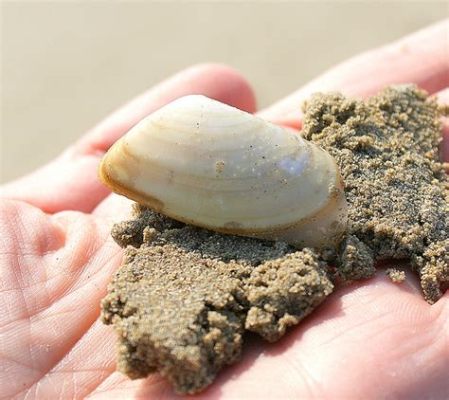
[{"x": 211, "y": 165}]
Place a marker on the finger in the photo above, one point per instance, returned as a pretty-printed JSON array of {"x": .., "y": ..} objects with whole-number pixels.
[
  {"x": 70, "y": 181},
  {"x": 213, "y": 80},
  {"x": 421, "y": 58},
  {"x": 443, "y": 98}
]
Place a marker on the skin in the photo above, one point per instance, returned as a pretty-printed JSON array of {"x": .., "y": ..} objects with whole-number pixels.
[{"x": 370, "y": 340}]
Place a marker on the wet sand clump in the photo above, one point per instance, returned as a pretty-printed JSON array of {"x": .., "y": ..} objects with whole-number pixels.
[
  {"x": 395, "y": 185},
  {"x": 184, "y": 297}
]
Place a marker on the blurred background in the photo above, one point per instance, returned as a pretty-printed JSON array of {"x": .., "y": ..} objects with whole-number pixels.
[{"x": 66, "y": 65}]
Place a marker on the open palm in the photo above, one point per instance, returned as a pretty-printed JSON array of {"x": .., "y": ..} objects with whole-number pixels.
[{"x": 369, "y": 340}]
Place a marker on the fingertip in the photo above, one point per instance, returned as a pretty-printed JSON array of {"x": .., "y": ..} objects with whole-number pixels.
[
  {"x": 231, "y": 87},
  {"x": 294, "y": 122}
]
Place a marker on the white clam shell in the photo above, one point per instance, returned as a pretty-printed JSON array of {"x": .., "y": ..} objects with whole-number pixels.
[{"x": 211, "y": 165}]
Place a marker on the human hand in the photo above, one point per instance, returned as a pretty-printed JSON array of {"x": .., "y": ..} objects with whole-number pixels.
[{"x": 369, "y": 340}]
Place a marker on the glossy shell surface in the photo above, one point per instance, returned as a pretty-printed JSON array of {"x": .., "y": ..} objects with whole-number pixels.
[{"x": 211, "y": 165}]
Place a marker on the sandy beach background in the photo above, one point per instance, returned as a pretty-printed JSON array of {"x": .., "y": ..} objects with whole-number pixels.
[{"x": 66, "y": 65}]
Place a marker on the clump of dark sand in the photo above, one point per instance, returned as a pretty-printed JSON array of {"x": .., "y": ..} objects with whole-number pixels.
[
  {"x": 396, "y": 275},
  {"x": 396, "y": 187},
  {"x": 184, "y": 296}
]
